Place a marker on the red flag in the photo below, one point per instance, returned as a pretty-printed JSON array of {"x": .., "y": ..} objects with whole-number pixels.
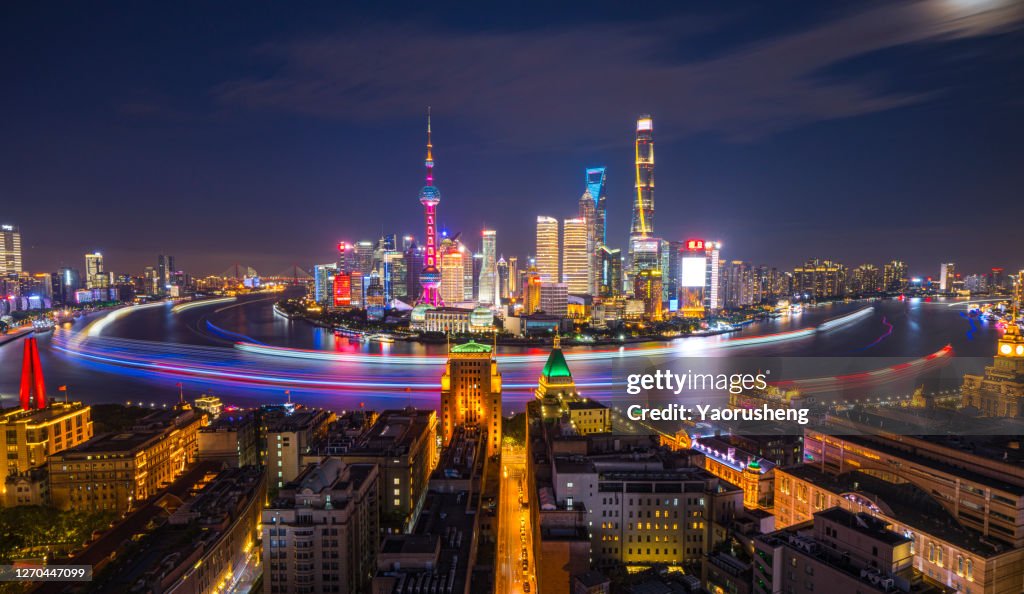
[{"x": 62, "y": 388}]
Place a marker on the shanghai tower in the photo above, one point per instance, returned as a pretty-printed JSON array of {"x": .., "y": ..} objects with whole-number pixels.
[
  {"x": 643, "y": 206},
  {"x": 643, "y": 246},
  {"x": 430, "y": 196}
]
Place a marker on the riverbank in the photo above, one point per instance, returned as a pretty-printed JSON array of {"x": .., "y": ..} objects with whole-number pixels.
[{"x": 14, "y": 335}]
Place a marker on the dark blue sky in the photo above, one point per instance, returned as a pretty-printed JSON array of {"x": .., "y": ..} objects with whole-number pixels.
[{"x": 264, "y": 133}]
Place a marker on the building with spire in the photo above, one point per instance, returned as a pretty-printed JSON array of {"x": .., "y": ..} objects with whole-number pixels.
[
  {"x": 643, "y": 246},
  {"x": 558, "y": 397},
  {"x": 999, "y": 392},
  {"x": 598, "y": 193},
  {"x": 35, "y": 430},
  {"x": 430, "y": 197},
  {"x": 471, "y": 393}
]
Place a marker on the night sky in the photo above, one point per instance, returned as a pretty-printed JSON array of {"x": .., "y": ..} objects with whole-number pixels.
[{"x": 264, "y": 133}]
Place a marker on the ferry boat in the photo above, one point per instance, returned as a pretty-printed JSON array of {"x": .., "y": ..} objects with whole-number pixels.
[{"x": 384, "y": 338}]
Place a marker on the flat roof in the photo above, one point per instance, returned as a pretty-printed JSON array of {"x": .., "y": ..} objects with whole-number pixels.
[{"x": 910, "y": 505}]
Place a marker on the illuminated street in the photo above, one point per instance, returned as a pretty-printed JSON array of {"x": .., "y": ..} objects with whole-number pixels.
[{"x": 514, "y": 570}]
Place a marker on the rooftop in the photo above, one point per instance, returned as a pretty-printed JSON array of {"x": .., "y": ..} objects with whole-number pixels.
[
  {"x": 909, "y": 504},
  {"x": 54, "y": 410},
  {"x": 471, "y": 347},
  {"x": 556, "y": 366}
]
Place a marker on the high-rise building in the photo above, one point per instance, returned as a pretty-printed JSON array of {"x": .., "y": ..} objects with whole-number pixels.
[
  {"x": 452, "y": 271},
  {"x": 554, "y": 299},
  {"x": 413, "y": 255},
  {"x": 513, "y": 276},
  {"x": 164, "y": 274},
  {"x": 362, "y": 252},
  {"x": 470, "y": 275},
  {"x": 531, "y": 291},
  {"x": 693, "y": 279},
  {"x": 430, "y": 196},
  {"x": 866, "y": 279},
  {"x": 547, "y": 249},
  {"x": 489, "y": 269},
  {"x": 589, "y": 216},
  {"x": 647, "y": 288},
  {"x": 323, "y": 281},
  {"x": 643, "y": 206},
  {"x": 740, "y": 285},
  {"x": 596, "y": 189},
  {"x": 820, "y": 279},
  {"x": 346, "y": 257},
  {"x": 645, "y": 254},
  {"x": 10, "y": 250},
  {"x": 94, "y": 275},
  {"x": 713, "y": 298},
  {"x": 609, "y": 272},
  {"x": 394, "y": 275},
  {"x": 342, "y": 289},
  {"x": 471, "y": 393},
  {"x": 947, "y": 274},
  {"x": 504, "y": 287},
  {"x": 332, "y": 508},
  {"x": 576, "y": 256},
  {"x": 895, "y": 277}
]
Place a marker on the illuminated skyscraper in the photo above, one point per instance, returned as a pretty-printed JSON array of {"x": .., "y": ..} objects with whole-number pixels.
[
  {"x": 693, "y": 279},
  {"x": 489, "y": 269},
  {"x": 94, "y": 274},
  {"x": 576, "y": 256},
  {"x": 895, "y": 276},
  {"x": 346, "y": 257},
  {"x": 643, "y": 208},
  {"x": 513, "y": 276},
  {"x": 596, "y": 188},
  {"x": 547, "y": 249},
  {"x": 502, "y": 276},
  {"x": 713, "y": 282},
  {"x": 471, "y": 393},
  {"x": 588, "y": 213},
  {"x": 610, "y": 271},
  {"x": 452, "y": 271},
  {"x": 363, "y": 253},
  {"x": 10, "y": 250},
  {"x": 647, "y": 288},
  {"x": 430, "y": 277},
  {"x": 947, "y": 274}
]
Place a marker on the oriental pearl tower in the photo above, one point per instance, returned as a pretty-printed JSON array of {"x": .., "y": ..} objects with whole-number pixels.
[{"x": 430, "y": 196}]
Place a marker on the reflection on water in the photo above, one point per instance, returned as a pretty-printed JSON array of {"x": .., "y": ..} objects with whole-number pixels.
[{"x": 911, "y": 328}]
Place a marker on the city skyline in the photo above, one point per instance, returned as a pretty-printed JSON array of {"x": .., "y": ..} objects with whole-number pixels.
[{"x": 844, "y": 179}]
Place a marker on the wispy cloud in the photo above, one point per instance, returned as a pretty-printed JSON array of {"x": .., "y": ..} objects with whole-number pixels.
[{"x": 532, "y": 89}]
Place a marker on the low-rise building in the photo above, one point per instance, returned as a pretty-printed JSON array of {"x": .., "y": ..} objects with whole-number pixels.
[
  {"x": 206, "y": 544},
  {"x": 117, "y": 471},
  {"x": 30, "y": 436},
  {"x": 289, "y": 435},
  {"x": 233, "y": 438},
  {"x": 320, "y": 534},
  {"x": 838, "y": 551},
  {"x": 403, "y": 445}
]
